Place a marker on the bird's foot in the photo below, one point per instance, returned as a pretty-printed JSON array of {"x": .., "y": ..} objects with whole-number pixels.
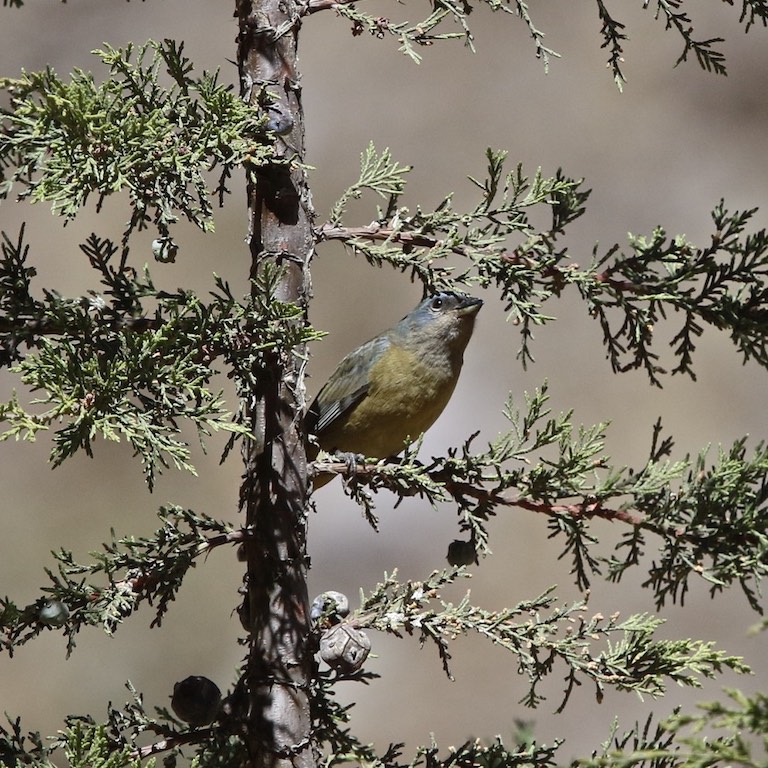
[{"x": 351, "y": 460}]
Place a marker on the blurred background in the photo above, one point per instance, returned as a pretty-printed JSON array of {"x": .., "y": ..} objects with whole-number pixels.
[{"x": 662, "y": 153}]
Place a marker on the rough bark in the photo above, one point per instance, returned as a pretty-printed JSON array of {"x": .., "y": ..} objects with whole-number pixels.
[{"x": 274, "y": 488}]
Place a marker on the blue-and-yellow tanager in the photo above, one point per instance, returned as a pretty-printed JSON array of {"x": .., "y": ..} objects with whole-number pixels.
[{"x": 393, "y": 387}]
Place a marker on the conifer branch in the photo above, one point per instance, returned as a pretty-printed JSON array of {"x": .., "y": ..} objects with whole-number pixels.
[
  {"x": 707, "y": 516},
  {"x": 710, "y": 59},
  {"x": 416, "y": 35},
  {"x": 130, "y": 361},
  {"x": 629, "y": 292},
  {"x": 96, "y": 137},
  {"x": 105, "y": 366},
  {"x": 129, "y": 571},
  {"x": 541, "y": 634},
  {"x": 613, "y": 39}
]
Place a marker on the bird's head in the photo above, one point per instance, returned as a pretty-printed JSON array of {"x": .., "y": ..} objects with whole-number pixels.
[{"x": 443, "y": 321}]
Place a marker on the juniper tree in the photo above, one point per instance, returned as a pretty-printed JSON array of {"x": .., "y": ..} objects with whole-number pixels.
[{"x": 129, "y": 361}]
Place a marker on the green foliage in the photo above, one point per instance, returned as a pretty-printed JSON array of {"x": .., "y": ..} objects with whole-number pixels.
[
  {"x": 70, "y": 140},
  {"x": 494, "y": 754},
  {"x": 711, "y": 523},
  {"x": 88, "y": 746},
  {"x": 613, "y": 39},
  {"x": 677, "y": 740},
  {"x": 16, "y": 747},
  {"x": 723, "y": 285},
  {"x": 709, "y": 518},
  {"x": 132, "y": 362},
  {"x": 724, "y": 733},
  {"x": 541, "y": 634},
  {"x": 379, "y": 174},
  {"x": 130, "y": 571},
  {"x": 692, "y": 740},
  {"x": 709, "y": 58},
  {"x": 342, "y": 748},
  {"x": 114, "y": 743},
  {"x": 415, "y": 35}
]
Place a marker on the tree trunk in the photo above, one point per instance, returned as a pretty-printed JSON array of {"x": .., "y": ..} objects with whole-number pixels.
[{"x": 274, "y": 489}]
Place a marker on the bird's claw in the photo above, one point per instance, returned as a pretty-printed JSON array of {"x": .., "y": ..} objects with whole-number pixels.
[{"x": 351, "y": 460}]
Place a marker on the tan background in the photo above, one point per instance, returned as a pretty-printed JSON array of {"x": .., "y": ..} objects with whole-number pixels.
[{"x": 661, "y": 153}]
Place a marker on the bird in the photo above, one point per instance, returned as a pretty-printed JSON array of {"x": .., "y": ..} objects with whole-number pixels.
[{"x": 392, "y": 388}]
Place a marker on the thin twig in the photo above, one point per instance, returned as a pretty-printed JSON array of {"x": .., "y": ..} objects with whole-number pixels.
[
  {"x": 459, "y": 489},
  {"x": 51, "y": 327},
  {"x": 313, "y": 6},
  {"x": 378, "y": 233},
  {"x": 171, "y": 742}
]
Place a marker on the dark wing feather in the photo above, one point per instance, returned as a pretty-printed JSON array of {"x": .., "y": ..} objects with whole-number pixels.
[{"x": 347, "y": 386}]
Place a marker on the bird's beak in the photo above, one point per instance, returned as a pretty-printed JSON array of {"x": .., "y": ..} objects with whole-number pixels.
[{"x": 469, "y": 306}]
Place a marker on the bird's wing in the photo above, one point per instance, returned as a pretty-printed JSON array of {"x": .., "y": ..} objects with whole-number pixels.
[{"x": 347, "y": 386}]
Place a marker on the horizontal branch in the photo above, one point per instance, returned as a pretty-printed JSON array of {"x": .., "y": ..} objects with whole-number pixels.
[
  {"x": 313, "y": 6},
  {"x": 31, "y": 326},
  {"x": 53, "y": 327},
  {"x": 143, "y": 583},
  {"x": 621, "y": 286},
  {"x": 457, "y": 489},
  {"x": 172, "y": 742},
  {"x": 585, "y": 510},
  {"x": 379, "y": 234}
]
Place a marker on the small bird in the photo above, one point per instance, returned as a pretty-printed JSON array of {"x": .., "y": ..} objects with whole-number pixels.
[{"x": 393, "y": 387}]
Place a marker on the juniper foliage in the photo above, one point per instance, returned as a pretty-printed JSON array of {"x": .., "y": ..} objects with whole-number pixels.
[{"x": 130, "y": 361}]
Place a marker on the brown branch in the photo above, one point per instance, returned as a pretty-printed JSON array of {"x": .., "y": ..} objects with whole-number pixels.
[
  {"x": 231, "y": 537},
  {"x": 313, "y": 6},
  {"x": 379, "y": 234},
  {"x": 458, "y": 489},
  {"x": 29, "y": 326},
  {"x": 622, "y": 286},
  {"x": 171, "y": 742},
  {"x": 144, "y": 582},
  {"x": 582, "y": 510}
]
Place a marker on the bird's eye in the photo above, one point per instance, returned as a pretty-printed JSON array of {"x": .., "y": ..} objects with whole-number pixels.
[{"x": 437, "y": 302}]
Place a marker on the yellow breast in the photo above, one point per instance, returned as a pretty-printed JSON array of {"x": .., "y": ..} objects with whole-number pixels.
[{"x": 404, "y": 398}]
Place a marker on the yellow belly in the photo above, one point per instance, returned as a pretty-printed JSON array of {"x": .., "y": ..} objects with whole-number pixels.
[{"x": 404, "y": 399}]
